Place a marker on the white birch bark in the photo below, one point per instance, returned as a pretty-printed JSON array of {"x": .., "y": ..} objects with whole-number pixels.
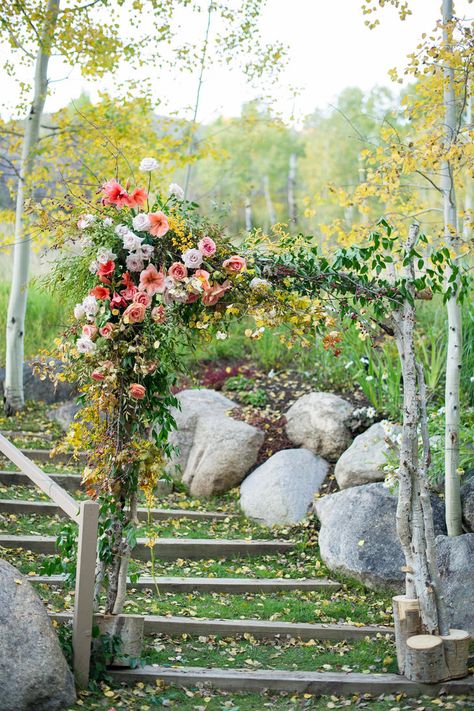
[
  {"x": 454, "y": 347},
  {"x": 13, "y": 389},
  {"x": 292, "y": 208},
  {"x": 268, "y": 201},
  {"x": 248, "y": 214}
]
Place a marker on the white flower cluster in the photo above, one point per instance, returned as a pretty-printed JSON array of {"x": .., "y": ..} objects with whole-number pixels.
[
  {"x": 85, "y": 221},
  {"x": 133, "y": 243},
  {"x": 87, "y": 309}
]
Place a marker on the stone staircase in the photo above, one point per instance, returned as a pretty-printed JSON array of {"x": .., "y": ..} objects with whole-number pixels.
[{"x": 14, "y": 484}]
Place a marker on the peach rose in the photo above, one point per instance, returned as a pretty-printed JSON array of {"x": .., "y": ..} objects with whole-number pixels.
[
  {"x": 158, "y": 314},
  {"x": 141, "y": 297},
  {"x": 135, "y": 313},
  {"x": 178, "y": 271},
  {"x": 235, "y": 264},
  {"x": 158, "y": 224},
  {"x": 107, "y": 330},
  {"x": 90, "y": 331},
  {"x": 211, "y": 296},
  {"x": 137, "y": 391}
]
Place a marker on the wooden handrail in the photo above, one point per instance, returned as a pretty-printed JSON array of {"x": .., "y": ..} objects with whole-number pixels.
[{"x": 69, "y": 505}]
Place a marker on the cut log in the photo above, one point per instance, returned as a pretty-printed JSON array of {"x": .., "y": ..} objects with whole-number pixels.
[
  {"x": 129, "y": 628},
  {"x": 407, "y": 621},
  {"x": 424, "y": 659},
  {"x": 456, "y": 653}
]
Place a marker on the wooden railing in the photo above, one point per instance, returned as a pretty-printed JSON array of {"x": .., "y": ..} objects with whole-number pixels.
[{"x": 86, "y": 515}]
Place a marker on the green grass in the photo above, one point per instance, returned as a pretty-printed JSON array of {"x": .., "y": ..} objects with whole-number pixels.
[{"x": 46, "y": 316}]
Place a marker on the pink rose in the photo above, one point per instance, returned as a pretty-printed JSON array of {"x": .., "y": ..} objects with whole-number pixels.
[
  {"x": 134, "y": 313},
  {"x": 207, "y": 246},
  {"x": 106, "y": 330},
  {"x": 235, "y": 264},
  {"x": 90, "y": 331},
  {"x": 192, "y": 298},
  {"x": 117, "y": 301},
  {"x": 158, "y": 224},
  {"x": 141, "y": 297},
  {"x": 129, "y": 292},
  {"x": 137, "y": 391},
  {"x": 158, "y": 314},
  {"x": 178, "y": 271},
  {"x": 211, "y": 296}
]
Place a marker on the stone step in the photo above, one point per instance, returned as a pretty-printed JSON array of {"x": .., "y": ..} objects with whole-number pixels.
[
  {"x": 319, "y": 683},
  {"x": 167, "y": 548},
  {"x": 70, "y": 482},
  {"x": 260, "y": 629},
  {"x": 22, "y": 434},
  {"x": 44, "y": 455},
  {"x": 48, "y": 508},
  {"x": 217, "y": 585}
]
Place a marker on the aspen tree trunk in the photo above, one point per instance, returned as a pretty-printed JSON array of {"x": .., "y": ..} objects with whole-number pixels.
[
  {"x": 268, "y": 200},
  {"x": 248, "y": 214},
  {"x": 454, "y": 348},
  {"x": 292, "y": 208},
  {"x": 13, "y": 389},
  {"x": 468, "y": 203}
]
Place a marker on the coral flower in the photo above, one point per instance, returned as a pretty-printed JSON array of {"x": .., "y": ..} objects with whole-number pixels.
[
  {"x": 158, "y": 224},
  {"x": 211, "y": 296},
  {"x": 105, "y": 271},
  {"x": 97, "y": 375},
  {"x": 100, "y": 292},
  {"x": 137, "y": 198},
  {"x": 115, "y": 194},
  {"x": 152, "y": 280},
  {"x": 137, "y": 391}
]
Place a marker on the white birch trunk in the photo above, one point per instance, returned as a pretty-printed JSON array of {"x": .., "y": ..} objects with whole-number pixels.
[
  {"x": 248, "y": 215},
  {"x": 454, "y": 348},
  {"x": 268, "y": 201},
  {"x": 13, "y": 389},
  {"x": 292, "y": 208}
]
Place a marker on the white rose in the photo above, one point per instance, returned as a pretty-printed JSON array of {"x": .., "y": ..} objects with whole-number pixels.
[
  {"x": 147, "y": 250},
  {"x": 108, "y": 222},
  {"x": 93, "y": 266},
  {"x": 134, "y": 262},
  {"x": 141, "y": 222},
  {"x": 176, "y": 190},
  {"x": 148, "y": 164},
  {"x": 79, "y": 311},
  {"x": 105, "y": 255},
  {"x": 85, "y": 345},
  {"x": 169, "y": 282},
  {"x": 121, "y": 230},
  {"x": 192, "y": 258},
  {"x": 90, "y": 306},
  {"x": 131, "y": 241}
]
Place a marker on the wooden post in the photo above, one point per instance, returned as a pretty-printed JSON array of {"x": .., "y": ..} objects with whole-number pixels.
[
  {"x": 84, "y": 598},
  {"x": 407, "y": 622},
  {"x": 424, "y": 659}
]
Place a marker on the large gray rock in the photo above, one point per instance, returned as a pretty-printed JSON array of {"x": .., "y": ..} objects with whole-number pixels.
[
  {"x": 281, "y": 490},
  {"x": 215, "y": 451},
  {"x": 34, "y": 675},
  {"x": 358, "y": 534},
  {"x": 41, "y": 390},
  {"x": 64, "y": 414},
  {"x": 318, "y": 422},
  {"x": 364, "y": 461},
  {"x": 467, "y": 497},
  {"x": 456, "y": 566}
]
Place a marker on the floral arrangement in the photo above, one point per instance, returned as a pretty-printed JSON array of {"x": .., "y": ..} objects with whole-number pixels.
[{"x": 155, "y": 277}]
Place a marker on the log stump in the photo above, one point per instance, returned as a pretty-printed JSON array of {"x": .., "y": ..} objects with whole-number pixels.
[
  {"x": 424, "y": 659},
  {"x": 129, "y": 628},
  {"x": 407, "y": 622},
  {"x": 456, "y": 653}
]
